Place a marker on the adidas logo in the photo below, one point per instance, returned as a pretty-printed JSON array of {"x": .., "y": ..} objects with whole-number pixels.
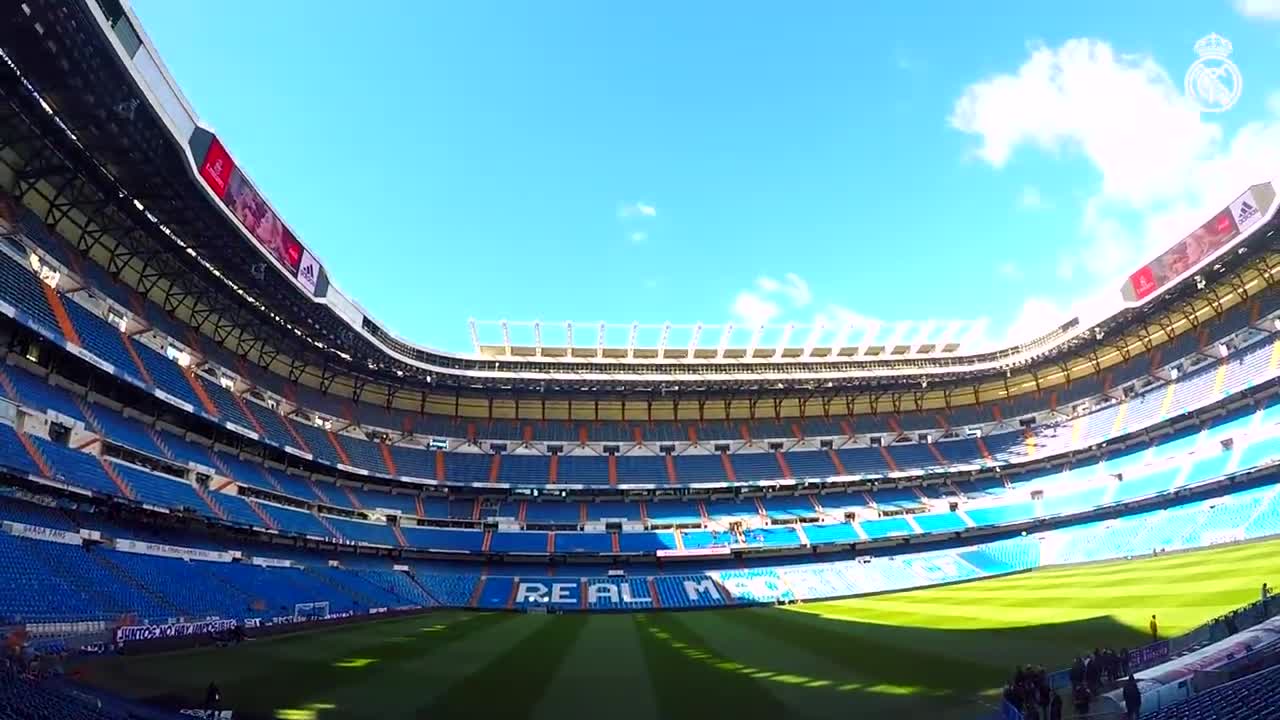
[{"x": 1246, "y": 213}]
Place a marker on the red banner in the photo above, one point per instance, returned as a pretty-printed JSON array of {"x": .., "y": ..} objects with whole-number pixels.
[{"x": 217, "y": 168}]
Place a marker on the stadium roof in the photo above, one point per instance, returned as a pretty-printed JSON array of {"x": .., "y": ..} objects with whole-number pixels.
[{"x": 105, "y": 146}]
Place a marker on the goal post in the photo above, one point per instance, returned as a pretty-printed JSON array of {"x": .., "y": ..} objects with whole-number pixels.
[{"x": 311, "y": 611}]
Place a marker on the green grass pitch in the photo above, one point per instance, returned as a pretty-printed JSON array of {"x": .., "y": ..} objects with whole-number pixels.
[{"x": 932, "y": 653}]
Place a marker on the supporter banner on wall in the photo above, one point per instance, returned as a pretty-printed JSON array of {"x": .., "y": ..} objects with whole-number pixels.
[
  {"x": 270, "y": 562},
  {"x": 36, "y": 532},
  {"x": 173, "y": 551},
  {"x": 134, "y": 633}
]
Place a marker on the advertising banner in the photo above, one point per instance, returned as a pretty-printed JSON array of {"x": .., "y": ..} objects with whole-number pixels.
[
  {"x": 234, "y": 188},
  {"x": 248, "y": 205},
  {"x": 1246, "y": 211},
  {"x": 1153, "y": 654},
  {"x": 1205, "y": 242},
  {"x": 309, "y": 271},
  {"x": 1187, "y": 254},
  {"x": 217, "y": 168}
]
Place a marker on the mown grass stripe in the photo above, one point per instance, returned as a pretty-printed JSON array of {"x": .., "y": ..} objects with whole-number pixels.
[
  {"x": 514, "y": 680},
  {"x": 688, "y": 683},
  {"x": 606, "y": 657}
]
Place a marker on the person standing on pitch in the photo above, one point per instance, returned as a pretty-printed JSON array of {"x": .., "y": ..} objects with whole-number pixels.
[{"x": 1155, "y": 629}]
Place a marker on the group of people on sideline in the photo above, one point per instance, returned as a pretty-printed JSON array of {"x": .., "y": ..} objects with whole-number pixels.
[
  {"x": 1028, "y": 693},
  {"x": 1031, "y": 695}
]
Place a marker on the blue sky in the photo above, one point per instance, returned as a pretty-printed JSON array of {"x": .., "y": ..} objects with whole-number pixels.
[{"x": 726, "y": 161}]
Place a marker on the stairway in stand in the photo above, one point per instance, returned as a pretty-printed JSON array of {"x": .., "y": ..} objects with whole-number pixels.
[{"x": 210, "y": 501}]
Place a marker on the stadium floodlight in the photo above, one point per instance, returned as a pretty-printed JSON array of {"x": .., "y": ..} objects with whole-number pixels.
[
  {"x": 631, "y": 341},
  {"x": 814, "y": 333},
  {"x": 900, "y": 330},
  {"x": 475, "y": 335},
  {"x": 506, "y": 336},
  {"x": 948, "y": 334},
  {"x": 693, "y": 340},
  {"x": 977, "y": 331},
  {"x": 725, "y": 334},
  {"x": 600, "y": 342},
  {"x": 755, "y": 340},
  {"x": 922, "y": 337},
  {"x": 662, "y": 342},
  {"x": 782, "y": 341},
  {"x": 869, "y": 337},
  {"x": 842, "y": 337},
  {"x": 537, "y": 337},
  {"x": 568, "y": 330}
]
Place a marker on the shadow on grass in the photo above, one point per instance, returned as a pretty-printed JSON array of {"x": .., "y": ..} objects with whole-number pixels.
[
  {"x": 825, "y": 667},
  {"x": 736, "y": 663},
  {"x": 283, "y": 677}
]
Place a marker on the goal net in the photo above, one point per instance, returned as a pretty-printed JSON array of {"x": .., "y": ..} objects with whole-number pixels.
[{"x": 311, "y": 611}]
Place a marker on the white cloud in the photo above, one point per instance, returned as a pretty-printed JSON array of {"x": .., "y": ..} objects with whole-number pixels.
[
  {"x": 1031, "y": 198},
  {"x": 1122, "y": 112},
  {"x": 1164, "y": 168},
  {"x": 770, "y": 295},
  {"x": 752, "y": 309},
  {"x": 796, "y": 290},
  {"x": 639, "y": 237},
  {"x": 1259, "y": 9},
  {"x": 638, "y": 209}
]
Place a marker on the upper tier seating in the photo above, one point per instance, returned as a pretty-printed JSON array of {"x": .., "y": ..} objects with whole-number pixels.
[
  {"x": 1118, "y": 477},
  {"x": 210, "y": 398}
]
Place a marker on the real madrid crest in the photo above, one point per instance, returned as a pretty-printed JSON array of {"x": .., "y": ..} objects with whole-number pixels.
[{"x": 1213, "y": 82}]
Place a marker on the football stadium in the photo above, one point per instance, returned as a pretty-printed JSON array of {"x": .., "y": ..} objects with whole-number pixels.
[{"x": 228, "y": 491}]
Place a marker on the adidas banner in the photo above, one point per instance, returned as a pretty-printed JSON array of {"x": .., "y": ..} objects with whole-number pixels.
[{"x": 1246, "y": 212}]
